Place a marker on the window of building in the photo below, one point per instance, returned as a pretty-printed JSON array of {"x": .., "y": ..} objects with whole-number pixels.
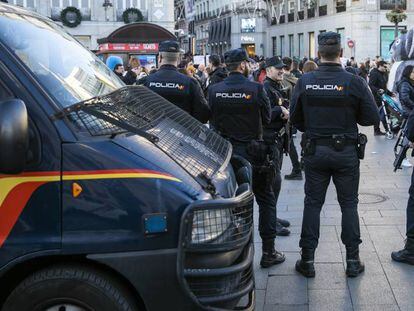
[
  {"x": 301, "y": 45},
  {"x": 291, "y": 6},
  {"x": 24, "y": 3},
  {"x": 291, "y": 46},
  {"x": 282, "y": 46},
  {"x": 274, "y": 46},
  {"x": 76, "y": 3},
  {"x": 390, "y": 4},
  {"x": 312, "y": 51},
  {"x": 341, "y": 31}
]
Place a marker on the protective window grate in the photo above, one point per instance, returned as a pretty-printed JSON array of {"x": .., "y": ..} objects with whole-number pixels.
[
  {"x": 200, "y": 151},
  {"x": 216, "y": 286}
]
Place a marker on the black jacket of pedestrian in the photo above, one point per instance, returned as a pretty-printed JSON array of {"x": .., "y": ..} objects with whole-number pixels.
[
  {"x": 405, "y": 90},
  {"x": 130, "y": 77},
  {"x": 378, "y": 81},
  {"x": 217, "y": 75}
]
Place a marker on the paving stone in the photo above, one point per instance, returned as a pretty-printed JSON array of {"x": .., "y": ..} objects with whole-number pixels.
[
  {"x": 328, "y": 252},
  {"x": 369, "y": 289},
  {"x": 328, "y": 277},
  {"x": 286, "y": 290},
  {"x": 399, "y": 275},
  {"x": 286, "y": 268},
  {"x": 286, "y": 308},
  {"x": 405, "y": 298},
  {"x": 376, "y": 308},
  {"x": 328, "y": 300}
]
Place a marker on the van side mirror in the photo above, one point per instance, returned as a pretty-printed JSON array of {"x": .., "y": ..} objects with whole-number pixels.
[{"x": 14, "y": 136}]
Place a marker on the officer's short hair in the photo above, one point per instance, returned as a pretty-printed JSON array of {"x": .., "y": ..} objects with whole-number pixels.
[
  {"x": 233, "y": 66},
  {"x": 330, "y": 52},
  {"x": 170, "y": 57}
]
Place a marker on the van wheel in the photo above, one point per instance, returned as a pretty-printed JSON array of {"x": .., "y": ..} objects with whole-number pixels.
[{"x": 69, "y": 288}]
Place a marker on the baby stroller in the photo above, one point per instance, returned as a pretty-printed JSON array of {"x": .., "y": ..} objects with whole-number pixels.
[{"x": 392, "y": 112}]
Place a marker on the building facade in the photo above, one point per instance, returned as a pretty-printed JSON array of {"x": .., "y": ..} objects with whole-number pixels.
[
  {"x": 220, "y": 25},
  {"x": 101, "y": 17},
  {"x": 366, "y": 32}
]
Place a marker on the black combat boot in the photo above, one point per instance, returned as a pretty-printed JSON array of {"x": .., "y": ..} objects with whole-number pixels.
[
  {"x": 305, "y": 266},
  {"x": 270, "y": 256},
  {"x": 405, "y": 255},
  {"x": 281, "y": 231},
  {"x": 354, "y": 265},
  {"x": 295, "y": 175},
  {"x": 283, "y": 222}
]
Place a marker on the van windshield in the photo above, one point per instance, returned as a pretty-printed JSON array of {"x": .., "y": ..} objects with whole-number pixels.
[{"x": 67, "y": 70}]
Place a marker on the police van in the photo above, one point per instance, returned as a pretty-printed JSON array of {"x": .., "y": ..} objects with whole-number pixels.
[{"x": 111, "y": 198}]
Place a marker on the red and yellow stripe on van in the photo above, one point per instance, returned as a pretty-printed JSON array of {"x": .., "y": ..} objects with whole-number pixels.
[{"x": 16, "y": 190}]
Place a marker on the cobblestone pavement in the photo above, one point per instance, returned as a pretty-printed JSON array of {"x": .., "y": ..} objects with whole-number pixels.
[{"x": 385, "y": 285}]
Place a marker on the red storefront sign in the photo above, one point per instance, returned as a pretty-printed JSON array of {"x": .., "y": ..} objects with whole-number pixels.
[{"x": 129, "y": 47}]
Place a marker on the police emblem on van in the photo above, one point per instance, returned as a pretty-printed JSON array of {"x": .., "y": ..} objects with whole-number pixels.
[
  {"x": 167, "y": 85},
  {"x": 234, "y": 95},
  {"x": 326, "y": 87}
]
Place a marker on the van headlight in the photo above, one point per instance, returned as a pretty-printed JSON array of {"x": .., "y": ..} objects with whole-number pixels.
[{"x": 209, "y": 224}]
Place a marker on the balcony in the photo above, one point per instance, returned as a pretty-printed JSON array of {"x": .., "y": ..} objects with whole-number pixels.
[
  {"x": 291, "y": 17},
  {"x": 301, "y": 15},
  {"x": 311, "y": 13},
  {"x": 323, "y": 10}
]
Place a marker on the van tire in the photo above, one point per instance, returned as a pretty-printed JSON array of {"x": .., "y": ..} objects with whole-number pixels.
[{"x": 73, "y": 285}]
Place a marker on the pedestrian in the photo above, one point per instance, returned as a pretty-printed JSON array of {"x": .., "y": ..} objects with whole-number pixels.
[
  {"x": 275, "y": 91},
  {"x": 309, "y": 66},
  {"x": 378, "y": 84},
  {"x": 202, "y": 74},
  {"x": 289, "y": 80},
  {"x": 405, "y": 89},
  {"x": 406, "y": 255},
  {"x": 295, "y": 69},
  {"x": 217, "y": 72},
  {"x": 119, "y": 70},
  {"x": 327, "y": 105},
  {"x": 134, "y": 69},
  {"x": 363, "y": 71},
  {"x": 181, "y": 90},
  {"x": 240, "y": 108}
]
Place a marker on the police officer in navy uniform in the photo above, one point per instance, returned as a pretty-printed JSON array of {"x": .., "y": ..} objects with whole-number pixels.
[
  {"x": 239, "y": 109},
  {"x": 181, "y": 90},
  {"x": 406, "y": 255},
  {"x": 277, "y": 96},
  {"x": 327, "y": 105}
]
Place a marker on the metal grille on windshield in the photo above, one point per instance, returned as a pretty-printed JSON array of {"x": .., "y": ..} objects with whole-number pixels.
[{"x": 200, "y": 151}]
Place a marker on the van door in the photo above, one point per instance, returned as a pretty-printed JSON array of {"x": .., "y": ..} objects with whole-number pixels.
[{"x": 30, "y": 203}]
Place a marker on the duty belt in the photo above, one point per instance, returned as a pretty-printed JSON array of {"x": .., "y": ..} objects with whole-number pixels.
[{"x": 330, "y": 141}]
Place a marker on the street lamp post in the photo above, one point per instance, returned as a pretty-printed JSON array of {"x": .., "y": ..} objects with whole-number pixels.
[{"x": 107, "y": 4}]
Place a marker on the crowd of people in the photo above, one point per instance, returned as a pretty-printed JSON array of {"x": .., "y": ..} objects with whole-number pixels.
[{"x": 266, "y": 102}]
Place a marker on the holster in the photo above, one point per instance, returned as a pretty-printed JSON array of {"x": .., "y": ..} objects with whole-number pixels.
[
  {"x": 361, "y": 143},
  {"x": 262, "y": 161}
]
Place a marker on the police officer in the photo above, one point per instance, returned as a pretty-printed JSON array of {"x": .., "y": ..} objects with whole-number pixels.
[
  {"x": 275, "y": 91},
  {"x": 239, "y": 110},
  {"x": 406, "y": 255},
  {"x": 327, "y": 105},
  {"x": 181, "y": 90}
]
